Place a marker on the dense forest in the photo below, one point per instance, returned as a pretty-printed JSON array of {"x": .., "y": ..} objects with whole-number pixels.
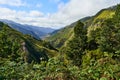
[{"x": 88, "y": 49}]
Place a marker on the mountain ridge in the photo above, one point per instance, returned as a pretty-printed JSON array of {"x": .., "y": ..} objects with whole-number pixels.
[{"x": 35, "y": 31}]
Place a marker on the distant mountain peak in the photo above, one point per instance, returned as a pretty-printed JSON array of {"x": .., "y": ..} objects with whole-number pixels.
[{"x": 35, "y": 31}]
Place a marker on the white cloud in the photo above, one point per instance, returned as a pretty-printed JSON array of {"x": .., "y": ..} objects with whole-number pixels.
[
  {"x": 12, "y": 2},
  {"x": 36, "y": 13},
  {"x": 67, "y": 13},
  {"x": 77, "y": 9},
  {"x": 7, "y": 13}
]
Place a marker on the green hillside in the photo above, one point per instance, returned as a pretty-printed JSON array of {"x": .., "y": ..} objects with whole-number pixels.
[
  {"x": 95, "y": 46},
  {"x": 14, "y": 44},
  {"x": 98, "y": 19},
  {"x": 61, "y": 37}
]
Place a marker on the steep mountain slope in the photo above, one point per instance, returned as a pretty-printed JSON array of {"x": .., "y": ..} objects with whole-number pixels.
[
  {"x": 98, "y": 19},
  {"x": 97, "y": 41},
  {"x": 16, "y": 46},
  {"x": 60, "y": 37},
  {"x": 37, "y": 32}
]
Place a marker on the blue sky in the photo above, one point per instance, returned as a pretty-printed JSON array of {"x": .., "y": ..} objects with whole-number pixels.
[
  {"x": 51, "y": 13},
  {"x": 45, "y": 6}
]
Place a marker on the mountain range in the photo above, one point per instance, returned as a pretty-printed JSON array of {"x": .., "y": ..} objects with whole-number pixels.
[{"x": 35, "y": 31}]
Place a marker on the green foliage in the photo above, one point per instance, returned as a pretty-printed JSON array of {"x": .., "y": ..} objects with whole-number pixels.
[
  {"x": 53, "y": 69},
  {"x": 77, "y": 45},
  {"x": 56, "y": 69},
  {"x": 9, "y": 48},
  {"x": 104, "y": 68},
  {"x": 105, "y": 41},
  {"x": 104, "y": 34},
  {"x": 92, "y": 55},
  {"x": 16, "y": 46},
  {"x": 60, "y": 37},
  {"x": 109, "y": 34},
  {"x": 79, "y": 29},
  {"x": 105, "y": 14},
  {"x": 116, "y": 17}
]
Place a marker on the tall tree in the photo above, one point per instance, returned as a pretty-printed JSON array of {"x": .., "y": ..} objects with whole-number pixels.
[{"x": 77, "y": 45}]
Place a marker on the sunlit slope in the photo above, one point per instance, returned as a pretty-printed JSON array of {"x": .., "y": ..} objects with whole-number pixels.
[{"x": 61, "y": 37}]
